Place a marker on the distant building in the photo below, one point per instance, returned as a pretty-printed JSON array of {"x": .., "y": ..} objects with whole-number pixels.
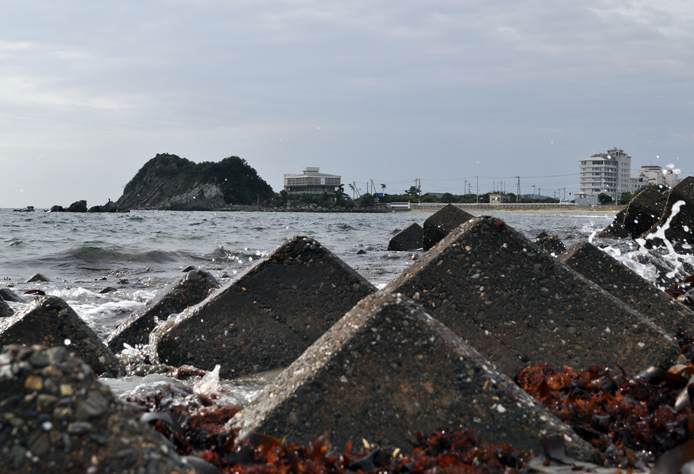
[
  {"x": 649, "y": 175},
  {"x": 656, "y": 175},
  {"x": 671, "y": 177},
  {"x": 498, "y": 198},
  {"x": 608, "y": 173},
  {"x": 311, "y": 181}
]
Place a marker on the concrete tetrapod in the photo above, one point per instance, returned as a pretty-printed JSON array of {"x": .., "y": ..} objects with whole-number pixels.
[
  {"x": 266, "y": 318},
  {"x": 677, "y": 223},
  {"x": 620, "y": 281},
  {"x": 408, "y": 239},
  {"x": 50, "y": 321},
  {"x": 439, "y": 224},
  {"x": 519, "y": 306},
  {"x": 57, "y": 417},
  {"x": 192, "y": 288},
  {"x": 387, "y": 371}
]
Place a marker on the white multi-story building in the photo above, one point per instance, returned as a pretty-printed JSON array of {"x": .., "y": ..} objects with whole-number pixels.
[
  {"x": 608, "y": 173},
  {"x": 311, "y": 181}
]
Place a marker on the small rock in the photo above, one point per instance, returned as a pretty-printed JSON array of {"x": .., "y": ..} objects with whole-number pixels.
[{"x": 37, "y": 277}]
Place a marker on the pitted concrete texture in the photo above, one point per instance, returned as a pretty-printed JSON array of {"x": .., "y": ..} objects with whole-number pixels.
[
  {"x": 550, "y": 244},
  {"x": 407, "y": 239},
  {"x": 677, "y": 221},
  {"x": 50, "y": 321},
  {"x": 620, "y": 281},
  {"x": 5, "y": 309},
  {"x": 441, "y": 223},
  {"x": 57, "y": 417},
  {"x": 644, "y": 210},
  {"x": 191, "y": 289},
  {"x": 387, "y": 371},
  {"x": 518, "y": 306},
  {"x": 266, "y": 318}
]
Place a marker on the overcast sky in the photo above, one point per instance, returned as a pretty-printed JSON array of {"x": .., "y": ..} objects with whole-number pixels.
[{"x": 450, "y": 92}]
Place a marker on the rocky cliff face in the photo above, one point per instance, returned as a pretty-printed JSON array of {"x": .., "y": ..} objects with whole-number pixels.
[{"x": 168, "y": 182}]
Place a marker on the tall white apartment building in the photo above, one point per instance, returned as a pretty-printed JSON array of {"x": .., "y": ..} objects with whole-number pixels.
[{"x": 608, "y": 173}]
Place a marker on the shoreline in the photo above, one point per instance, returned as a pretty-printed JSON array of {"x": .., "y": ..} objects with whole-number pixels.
[
  {"x": 556, "y": 211},
  {"x": 479, "y": 210}
]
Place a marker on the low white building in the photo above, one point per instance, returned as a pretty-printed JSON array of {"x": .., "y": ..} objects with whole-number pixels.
[
  {"x": 311, "y": 181},
  {"x": 648, "y": 174},
  {"x": 498, "y": 198},
  {"x": 653, "y": 174},
  {"x": 671, "y": 177}
]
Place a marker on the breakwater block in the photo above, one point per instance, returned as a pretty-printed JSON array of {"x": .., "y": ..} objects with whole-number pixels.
[
  {"x": 644, "y": 210},
  {"x": 519, "y": 306},
  {"x": 550, "y": 244},
  {"x": 50, "y": 321},
  {"x": 664, "y": 271},
  {"x": 387, "y": 371},
  {"x": 441, "y": 223},
  {"x": 677, "y": 221},
  {"x": 620, "y": 281},
  {"x": 57, "y": 417},
  {"x": 8, "y": 295},
  {"x": 192, "y": 288},
  {"x": 5, "y": 309},
  {"x": 266, "y": 318},
  {"x": 407, "y": 239}
]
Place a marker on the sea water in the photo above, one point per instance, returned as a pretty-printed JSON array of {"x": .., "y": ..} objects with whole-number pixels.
[{"x": 138, "y": 254}]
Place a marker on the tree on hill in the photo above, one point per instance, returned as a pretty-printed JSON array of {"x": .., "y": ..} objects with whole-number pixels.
[{"x": 239, "y": 182}]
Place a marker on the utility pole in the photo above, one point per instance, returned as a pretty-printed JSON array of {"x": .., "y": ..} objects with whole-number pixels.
[
  {"x": 477, "y": 180},
  {"x": 518, "y": 189}
]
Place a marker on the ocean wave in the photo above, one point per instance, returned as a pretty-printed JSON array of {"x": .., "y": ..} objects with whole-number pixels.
[
  {"x": 93, "y": 254},
  {"x": 15, "y": 242},
  {"x": 341, "y": 226}
]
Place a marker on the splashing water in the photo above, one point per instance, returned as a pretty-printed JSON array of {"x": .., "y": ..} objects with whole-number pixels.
[
  {"x": 671, "y": 256},
  {"x": 209, "y": 384}
]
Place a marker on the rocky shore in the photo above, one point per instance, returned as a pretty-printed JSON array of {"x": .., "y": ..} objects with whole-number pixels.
[{"x": 462, "y": 340}]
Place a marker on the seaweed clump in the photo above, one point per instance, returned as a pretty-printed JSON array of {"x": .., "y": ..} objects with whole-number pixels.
[
  {"x": 684, "y": 292},
  {"x": 200, "y": 431},
  {"x": 630, "y": 420}
]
